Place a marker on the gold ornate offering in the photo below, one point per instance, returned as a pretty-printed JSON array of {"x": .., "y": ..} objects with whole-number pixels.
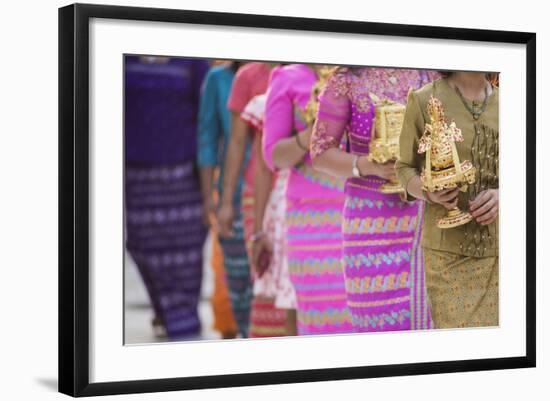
[
  {"x": 443, "y": 168},
  {"x": 384, "y": 143},
  {"x": 309, "y": 114}
]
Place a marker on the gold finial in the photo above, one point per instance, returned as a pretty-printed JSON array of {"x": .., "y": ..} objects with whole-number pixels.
[
  {"x": 443, "y": 168},
  {"x": 385, "y": 131},
  {"x": 310, "y": 113}
]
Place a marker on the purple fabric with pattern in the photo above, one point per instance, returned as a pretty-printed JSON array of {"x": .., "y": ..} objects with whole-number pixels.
[
  {"x": 164, "y": 229},
  {"x": 382, "y": 258},
  {"x": 161, "y": 100},
  {"x": 165, "y": 236}
]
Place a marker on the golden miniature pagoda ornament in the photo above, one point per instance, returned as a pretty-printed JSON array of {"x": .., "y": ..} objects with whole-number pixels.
[
  {"x": 310, "y": 113},
  {"x": 384, "y": 143},
  {"x": 443, "y": 168}
]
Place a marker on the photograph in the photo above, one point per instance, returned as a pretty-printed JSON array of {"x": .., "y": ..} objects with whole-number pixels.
[
  {"x": 261, "y": 199},
  {"x": 270, "y": 199},
  {"x": 275, "y": 201}
]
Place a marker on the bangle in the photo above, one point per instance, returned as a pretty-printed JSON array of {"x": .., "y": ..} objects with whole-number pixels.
[
  {"x": 300, "y": 144},
  {"x": 256, "y": 236}
]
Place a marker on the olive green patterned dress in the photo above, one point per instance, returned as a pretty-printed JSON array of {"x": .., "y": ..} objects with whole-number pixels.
[{"x": 461, "y": 262}]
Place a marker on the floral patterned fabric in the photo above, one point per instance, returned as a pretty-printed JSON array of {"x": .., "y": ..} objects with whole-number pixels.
[
  {"x": 275, "y": 282},
  {"x": 463, "y": 290},
  {"x": 266, "y": 319}
]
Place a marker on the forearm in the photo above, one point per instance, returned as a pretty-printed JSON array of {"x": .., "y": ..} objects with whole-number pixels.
[
  {"x": 234, "y": 159},
  {"x": 414, "y": 188},
  {"x": 338, "y": 163},
  {"x": 207, "y": 183},
  {"x": 407, "y": 174},
  {"x": 287, "y": 152},
  {"x": 233, "y": 163},
  {"x": 262, "y": 188}
]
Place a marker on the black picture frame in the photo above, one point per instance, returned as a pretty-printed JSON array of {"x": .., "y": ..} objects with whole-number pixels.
[{"x": 74, "y": 194}]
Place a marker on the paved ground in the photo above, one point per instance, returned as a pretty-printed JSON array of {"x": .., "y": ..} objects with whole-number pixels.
[{"x": 138, "y": 312}]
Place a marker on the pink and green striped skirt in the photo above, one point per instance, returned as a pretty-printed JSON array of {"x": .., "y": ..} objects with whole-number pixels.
[
  {"x": 383, "y": 260},
  {"x": 314, "y": 252}
]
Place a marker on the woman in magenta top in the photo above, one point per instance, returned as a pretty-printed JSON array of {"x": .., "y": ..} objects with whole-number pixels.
[
  {"x": 383, "y": 263},
  {"x": 314, "y": 205}
]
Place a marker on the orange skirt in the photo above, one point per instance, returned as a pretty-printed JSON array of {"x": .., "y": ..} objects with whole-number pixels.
[{"x": 224, "y": 321}]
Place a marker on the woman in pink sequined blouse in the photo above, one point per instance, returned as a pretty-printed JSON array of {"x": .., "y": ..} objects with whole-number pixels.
[
  {"x": 382, "y": 259},
  {"x": 313, "y": 205}
]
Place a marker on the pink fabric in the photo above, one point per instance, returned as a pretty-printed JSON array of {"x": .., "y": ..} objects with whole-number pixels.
[
  {"x": 288, "y": 94},
  {"x": 314, "y": 201},
  {"x": 276, "y": 280},
  {"x": 253, "y": 114},
  {"x": 251, "y": 80}
]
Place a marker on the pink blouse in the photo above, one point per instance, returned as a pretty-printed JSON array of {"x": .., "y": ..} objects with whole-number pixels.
[
  {"x": 288, "y": 93},
  {"x": 345, "y": 105},
  {"x": 251, "y": 80}
]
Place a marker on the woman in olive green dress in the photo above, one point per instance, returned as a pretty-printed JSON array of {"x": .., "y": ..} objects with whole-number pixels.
[{"x": 461, "y": 262}]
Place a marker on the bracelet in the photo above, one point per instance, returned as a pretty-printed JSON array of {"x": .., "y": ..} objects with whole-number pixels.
[
  {"x": 300, "y": 144},
  {"x": 256, "y": 236}
]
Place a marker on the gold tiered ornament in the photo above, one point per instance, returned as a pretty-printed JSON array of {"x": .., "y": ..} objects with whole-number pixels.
[
  {"x": 308, "y": 115},
  {"x": 384, "y": 143},
  {"x": 443, "y": 168}
]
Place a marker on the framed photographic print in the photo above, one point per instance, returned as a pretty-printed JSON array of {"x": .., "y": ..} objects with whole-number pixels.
[{"x": 252, "y": 199}]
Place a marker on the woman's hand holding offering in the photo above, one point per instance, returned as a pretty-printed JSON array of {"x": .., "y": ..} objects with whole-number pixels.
[
  {"x": 382, "y": 170},
  {"x": 448, "y": 198}
]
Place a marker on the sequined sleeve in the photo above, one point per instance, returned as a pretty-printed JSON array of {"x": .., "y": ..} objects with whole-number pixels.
[
  {"x": 332, "y": 116},
  {"x": 431, "y": 76}
]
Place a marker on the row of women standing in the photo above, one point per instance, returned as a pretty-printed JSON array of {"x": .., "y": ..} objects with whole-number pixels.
[
  {"x": 309, "y": 244},
  {"x": 350, "y": 254}
]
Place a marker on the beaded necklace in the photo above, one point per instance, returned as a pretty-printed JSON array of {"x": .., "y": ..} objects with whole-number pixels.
[{"x": 475, "y": 114}]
